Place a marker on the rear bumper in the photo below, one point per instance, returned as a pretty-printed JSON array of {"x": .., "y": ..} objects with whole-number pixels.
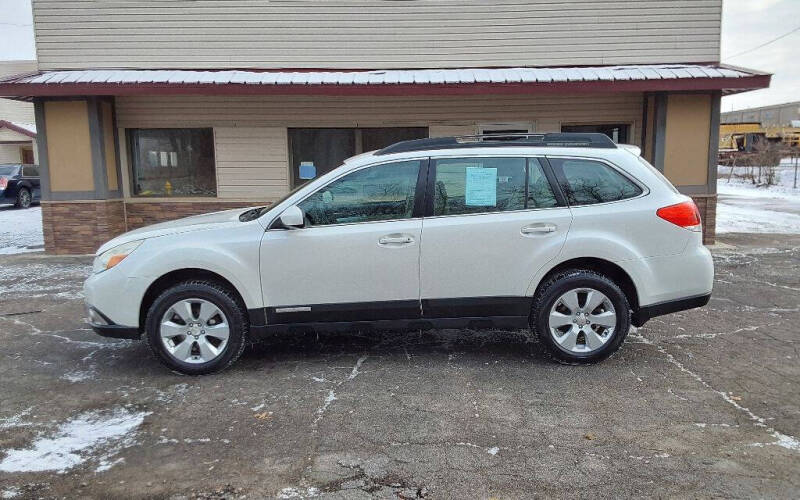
[{"x": 646, "y": 313}]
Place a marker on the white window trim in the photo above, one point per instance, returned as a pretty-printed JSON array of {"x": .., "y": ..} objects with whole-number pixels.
[{"x": 502, "y": 126}]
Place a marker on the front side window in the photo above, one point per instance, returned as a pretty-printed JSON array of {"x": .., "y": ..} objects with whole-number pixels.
[
  {"x": 587, "y": 182},
  {"x": 173, "y": 162},
  {"x": 382, "y": 192},
  {"x": 480, "y": 185}
]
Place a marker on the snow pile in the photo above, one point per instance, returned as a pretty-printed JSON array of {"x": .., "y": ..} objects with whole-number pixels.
[
  {"x": 74, "y": 441},
  {"x": 20, "y": 230},
  {"x": 745, "y": 208}
]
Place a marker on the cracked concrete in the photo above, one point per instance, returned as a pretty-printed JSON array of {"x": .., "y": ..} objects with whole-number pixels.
[{"x": 701, "y": 403}]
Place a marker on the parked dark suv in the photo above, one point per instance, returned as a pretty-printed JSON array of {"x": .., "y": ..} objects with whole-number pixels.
[{"x": 19, "y": 184}]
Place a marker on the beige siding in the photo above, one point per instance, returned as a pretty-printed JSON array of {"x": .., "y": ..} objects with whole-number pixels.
[
  {"x": 10, "y": 153},
  {"x": 8, "y": 135},
  {"x": 16, "y": 111},
  {"x": 372, "y": 33},
  {"x": 250, "y": 132},
  {"x": 251, "y": 162},
  {"x": 326, "y": 111}
]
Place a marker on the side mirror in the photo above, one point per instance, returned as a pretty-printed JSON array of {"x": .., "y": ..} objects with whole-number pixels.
[{"x": 292, "y": 217}]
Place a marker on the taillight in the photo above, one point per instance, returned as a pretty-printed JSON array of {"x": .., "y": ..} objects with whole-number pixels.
[
  {"x": 683, "y": 214},
  {"x": 3, "y": 183}
]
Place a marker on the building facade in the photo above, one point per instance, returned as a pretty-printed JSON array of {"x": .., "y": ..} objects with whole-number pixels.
[
  {"x": 778, "y": 115},
  {"x": 17, "y": 122},
  {"x": 157, "y": 109}
]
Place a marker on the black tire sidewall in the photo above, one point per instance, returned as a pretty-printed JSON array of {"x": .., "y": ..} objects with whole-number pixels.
[
  {"x": 229, "y": 306},
  {"x": 570, "y": 281}
]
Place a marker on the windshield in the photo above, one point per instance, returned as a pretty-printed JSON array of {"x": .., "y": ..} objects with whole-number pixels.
[
  {"x": 8, "y": 169},
  {"x": 255, "y": 213}
]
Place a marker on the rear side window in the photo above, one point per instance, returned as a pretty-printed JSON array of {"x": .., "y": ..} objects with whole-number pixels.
[
  {"x": 586, "y": 182},
  {"x": 480, "y": 185},
  {"x": 30, "y": 172}
]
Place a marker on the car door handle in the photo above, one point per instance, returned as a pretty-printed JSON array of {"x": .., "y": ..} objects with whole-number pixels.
[
  {"x": 396, "y": 239},
  {"x": 543, "y": 228}
]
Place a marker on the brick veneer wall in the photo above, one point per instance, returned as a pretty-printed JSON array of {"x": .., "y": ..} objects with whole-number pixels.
[
  {"x": 145, "y": 213},
  {"x": 80, "y": 227},
  {"x": 707, "y": 204}
]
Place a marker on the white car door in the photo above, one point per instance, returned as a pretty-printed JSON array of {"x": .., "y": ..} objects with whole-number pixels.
[
  {"x": 356, "y": 258},
  {"x": 494, "y": 223}
]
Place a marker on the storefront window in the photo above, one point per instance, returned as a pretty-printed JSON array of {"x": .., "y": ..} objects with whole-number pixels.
[
  {"x": 327, "y": 148},
  {"x": 618, "y": 132},
  {"x": 173, "y": 162}
]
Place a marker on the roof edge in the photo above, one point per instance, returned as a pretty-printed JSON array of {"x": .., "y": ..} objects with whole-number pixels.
[{"x": 16, "y": 128}]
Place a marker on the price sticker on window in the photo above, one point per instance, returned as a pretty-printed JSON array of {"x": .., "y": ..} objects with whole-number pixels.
[{"x": 481, "y": 190}]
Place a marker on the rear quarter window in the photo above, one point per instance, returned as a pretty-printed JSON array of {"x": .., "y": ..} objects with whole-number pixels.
[{"x": 587, "y": 182}]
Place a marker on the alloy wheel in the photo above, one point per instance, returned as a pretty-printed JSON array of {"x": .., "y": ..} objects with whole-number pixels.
[
  {"x": 194, "y": 331},
  {"x": 582, "y": 320},
  {"x": 24, "y": 199}
]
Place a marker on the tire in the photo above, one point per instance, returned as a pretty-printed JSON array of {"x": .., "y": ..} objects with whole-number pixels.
[
  {"x": 205, "y": 352},
  {"x": 24, "y": 198},
  {"x": 592, "y": 340}
]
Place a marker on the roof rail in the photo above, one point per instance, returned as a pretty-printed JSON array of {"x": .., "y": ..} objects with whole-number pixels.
[{"x": 500, "y": 140}]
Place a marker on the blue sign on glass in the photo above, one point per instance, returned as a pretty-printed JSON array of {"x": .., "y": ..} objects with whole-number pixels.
[
  {"x": 481, "y": 188},
  {"x": 307, "y": 170}
]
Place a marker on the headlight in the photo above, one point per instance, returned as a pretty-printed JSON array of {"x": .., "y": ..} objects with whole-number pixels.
[{"x": 111, "y": 258}]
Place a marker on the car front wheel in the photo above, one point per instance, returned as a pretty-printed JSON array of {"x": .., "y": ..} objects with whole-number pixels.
[
  {"x": 197, "y": 327},
  {"x": 580, "y": 316}
]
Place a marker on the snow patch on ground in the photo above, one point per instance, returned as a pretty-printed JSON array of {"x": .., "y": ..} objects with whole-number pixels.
[
  {"x": 75, "y": 440},
  {"x": 745, "y": 208},
  {"x": 11, "y": 492},
  {"x": 78, "y": 376},
  {"x": 299, "y": 492},
  {"x": 15, "y": 421},
  {"x": 20, "y": 230}
]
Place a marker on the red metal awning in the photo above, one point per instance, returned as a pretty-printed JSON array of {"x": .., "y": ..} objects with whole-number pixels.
[{"x": 540, "y": 80}]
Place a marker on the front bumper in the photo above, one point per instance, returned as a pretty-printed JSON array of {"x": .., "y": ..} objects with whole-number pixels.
[{"x": 107, "y": 328}]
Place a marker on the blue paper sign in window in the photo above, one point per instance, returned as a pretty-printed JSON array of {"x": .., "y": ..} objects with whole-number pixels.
[
  {"x": 307, "y": 170},
  {"x": 481, "y": 190}
]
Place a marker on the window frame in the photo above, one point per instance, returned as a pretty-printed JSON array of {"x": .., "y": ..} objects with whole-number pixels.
[
  {"x": 129, "y": 168},
  {"x": 500, "y": 127},
  {"x": 561, "y": 178},
  {"x": 358, "y": 147},
  {"x": 419, "y": 194},
  {"x": 599, "y": 123},
  {"x": 25, "y": 171},
  {"x": 430, "y": 192}
]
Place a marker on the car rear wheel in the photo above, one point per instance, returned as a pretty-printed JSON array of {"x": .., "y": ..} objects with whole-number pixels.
[
  {"x": 23, "y": 198},
  {"x": 197, "y": 327},
  {"x": 580, "y": 316}
]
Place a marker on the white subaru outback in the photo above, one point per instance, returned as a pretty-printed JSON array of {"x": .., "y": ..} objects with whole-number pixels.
[{"x": 569, "y": 234}]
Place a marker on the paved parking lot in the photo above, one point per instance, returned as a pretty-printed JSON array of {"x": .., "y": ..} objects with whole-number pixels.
[{"x": 703, "y": 403}]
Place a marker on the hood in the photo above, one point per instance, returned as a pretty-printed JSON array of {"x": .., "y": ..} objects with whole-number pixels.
[{"x": 193, "y": 223}]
